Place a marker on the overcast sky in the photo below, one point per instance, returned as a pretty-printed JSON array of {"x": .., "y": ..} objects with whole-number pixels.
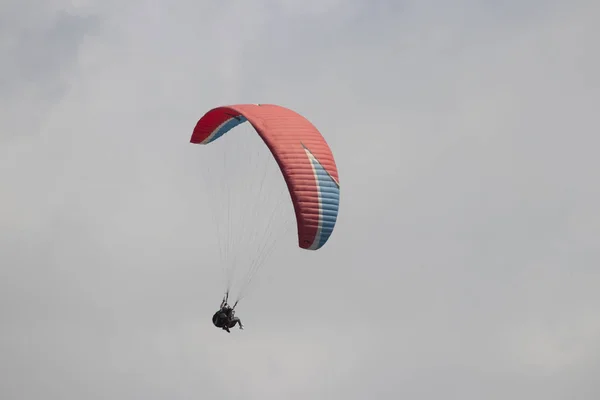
[{"x": 465, "y": 262}]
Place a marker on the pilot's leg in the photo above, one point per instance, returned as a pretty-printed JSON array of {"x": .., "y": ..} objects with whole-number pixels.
[{"x": 235, "y": 321}]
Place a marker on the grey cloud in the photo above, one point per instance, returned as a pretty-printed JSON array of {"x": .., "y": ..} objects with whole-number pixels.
[
  {"x": 463, "y": 262},
  {"x": 39, "y": 49}
]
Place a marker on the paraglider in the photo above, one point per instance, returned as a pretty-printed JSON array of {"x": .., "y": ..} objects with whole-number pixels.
[
  {"x": 225, "y": 317},
  {"x": 304, "y": 159}
]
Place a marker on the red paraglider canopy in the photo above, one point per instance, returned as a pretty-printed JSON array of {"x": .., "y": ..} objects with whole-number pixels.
[{"x": 303, "y": 156}]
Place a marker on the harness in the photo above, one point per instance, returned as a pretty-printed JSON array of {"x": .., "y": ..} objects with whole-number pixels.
[{"x": 222, "y": 317}]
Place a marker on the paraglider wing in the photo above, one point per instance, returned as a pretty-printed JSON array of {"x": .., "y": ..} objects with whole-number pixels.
[{"x": 303, "y": 156}]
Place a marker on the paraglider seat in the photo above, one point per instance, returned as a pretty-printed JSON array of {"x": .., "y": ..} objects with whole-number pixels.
[{"x": 219, "y": 319}]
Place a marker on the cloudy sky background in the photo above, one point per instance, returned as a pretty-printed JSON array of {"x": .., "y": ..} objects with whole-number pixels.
[{"x": 465, "y": 261}]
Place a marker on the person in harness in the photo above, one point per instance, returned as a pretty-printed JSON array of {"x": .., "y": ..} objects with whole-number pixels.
[{"x": 225, "y": 318}]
